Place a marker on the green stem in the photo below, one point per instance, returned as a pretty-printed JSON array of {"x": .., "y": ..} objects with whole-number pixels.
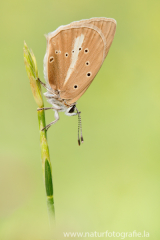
[
  {"x": 46, "y": 167},
  {"x": 32, "y": 71}
]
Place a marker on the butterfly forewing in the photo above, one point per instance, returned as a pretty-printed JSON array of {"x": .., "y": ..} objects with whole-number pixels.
[{"x": 75, "y": 53}]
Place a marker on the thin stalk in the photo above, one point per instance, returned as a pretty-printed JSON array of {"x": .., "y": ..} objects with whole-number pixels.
[
  {"x": 46, "y": 167},
  {"x": 32, "y": 71}
]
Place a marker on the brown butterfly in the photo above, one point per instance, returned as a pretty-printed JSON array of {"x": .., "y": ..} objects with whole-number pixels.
[{"x": 74, "y": 55}]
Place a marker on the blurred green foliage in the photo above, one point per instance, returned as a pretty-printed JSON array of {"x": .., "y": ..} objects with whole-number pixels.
[{"x": 112, "y": 181}]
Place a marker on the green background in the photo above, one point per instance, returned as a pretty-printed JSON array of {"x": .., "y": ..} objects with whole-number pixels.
[{"x": 112, "y": 181}]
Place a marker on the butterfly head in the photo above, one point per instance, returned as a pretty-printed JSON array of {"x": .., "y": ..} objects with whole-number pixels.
[{"x": 72, "y": 109}]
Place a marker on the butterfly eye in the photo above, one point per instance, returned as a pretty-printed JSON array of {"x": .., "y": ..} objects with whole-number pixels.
[
  {"x": 89, "y": 74},
  {"x": 56, "y": 51},
  {"x": 75, "y": 86},
  {"x": 66, "y": 54},
  {"x": 87, "y": 63},
  {"x": 80, "y": 49},
  {"x": 51, "y": 59},
  {"x": 72, "y": 51},
  {"x": 86, "y": 50},
  {"x": 72, "y": 109}
]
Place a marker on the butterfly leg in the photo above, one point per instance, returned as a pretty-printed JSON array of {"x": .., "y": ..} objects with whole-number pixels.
[
  {"x": 56, "y": 115},
  {"x": 38, "y": 109},
  {"x": 43, "y": 84},
  {"x": 50, "y": 92},
  {"x": 55, "y": 107}
]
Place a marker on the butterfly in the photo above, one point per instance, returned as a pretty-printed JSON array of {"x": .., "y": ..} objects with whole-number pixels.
[{"x": 74, "y": 55}]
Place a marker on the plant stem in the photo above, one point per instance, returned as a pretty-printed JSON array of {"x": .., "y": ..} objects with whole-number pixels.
[
  {"x": 46, "y": 167},
  {"x": 32, "y": 71}
]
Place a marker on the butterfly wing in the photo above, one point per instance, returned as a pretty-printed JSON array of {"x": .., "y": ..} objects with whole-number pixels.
[{"x": 75, "y": 53}]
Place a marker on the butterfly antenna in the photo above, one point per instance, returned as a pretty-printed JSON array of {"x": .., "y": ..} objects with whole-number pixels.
[
  {"x": 81, "y": 127},
  {"x": 80, "y": 140}
]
